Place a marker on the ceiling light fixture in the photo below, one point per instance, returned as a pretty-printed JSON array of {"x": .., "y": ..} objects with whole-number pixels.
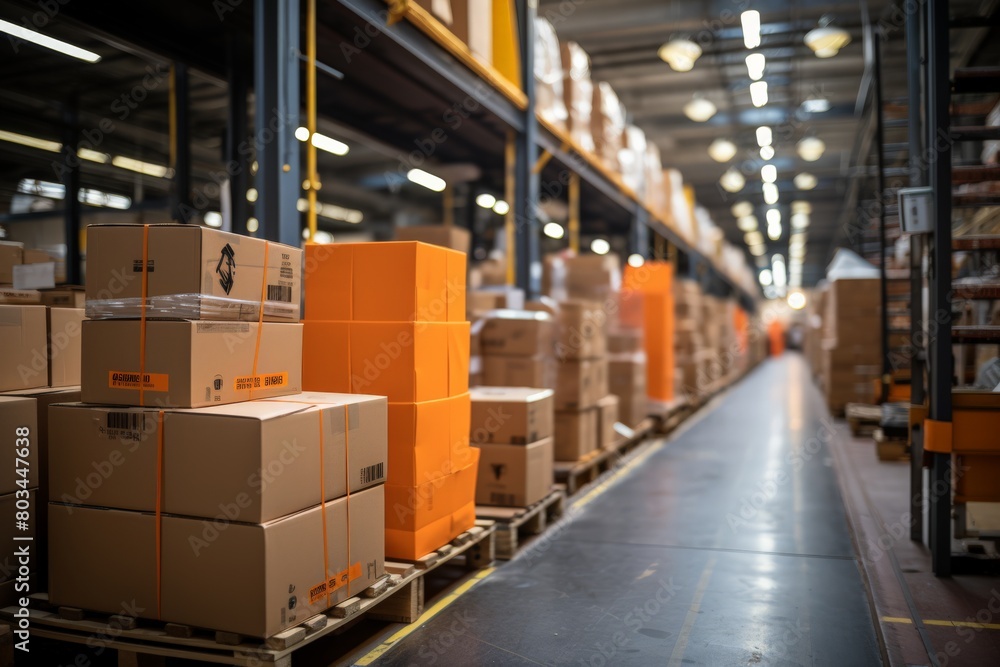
[
  {"x": 20, "y": 32},
  {"x": 680, "y": 54},
  {"x": 253, "y": 225},
  {"x": 769, "y": 173},
  {"x": 31, "y": 142},
  {"x": 753, "y": 238},
  {"x": 800, "y": 206},
  {"x": 699, "y": 109},
  {"x": 147, "y": 168},
  {"x": 742, "y": 209},
  {"x": 818, "y": 105},
  {"x": 93, "y": 156},
  {"x": 635, "y": 260},
  {"x": 553, "y": 230},
  {"x": 765, "y": 277},
  {"x": 805, "y": 181},
  {"x": 212, "y": 219},
  {"x": 773, "y": 216},
  {"x": 796, "y": 300},
  {"x": 770, "y": 191},
  {"x": 766, "y": 152},
  {"x": 800, "y": 220},
  {"x": 329, "y": 144},
  {"x": 811, "y": 149},
  {"x": 501, "y": 207},
  {"x": 751, "y": 28},
  {"x": 826, "y": 41},
  {"x": 764, "y": 136},
  {"x": 428, "y": 180},
  {"x": 732, "y": 180},
  {"x": 722, "y": 150},
  {"x": 600, "y": 246},
  {"x": 758, "y": 93},
  {"x": 758, "y": 250},
  {"x": 755, "y": 65},
  {"x": 747, "y": 223},
  {"x": 774, "y": 232},
  {"x": 486, "y": 200}
]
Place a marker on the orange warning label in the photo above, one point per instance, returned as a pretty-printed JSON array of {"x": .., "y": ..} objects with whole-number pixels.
[
  {"x": 148, "y": 381},
  {"x": 339, "y": 580},
  {"x": 265, "y": 381}
]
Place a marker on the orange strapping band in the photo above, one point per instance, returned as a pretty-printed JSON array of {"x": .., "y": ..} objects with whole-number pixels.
[
  {"x": 937, "y": 436},
  {"x": 142, "y": 315},
  {"x": 260, "y": 316},
  {"x": 159, "y": 508}
]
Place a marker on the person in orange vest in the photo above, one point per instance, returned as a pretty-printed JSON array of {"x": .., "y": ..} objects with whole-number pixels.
[{"x": 776, "y": 336}]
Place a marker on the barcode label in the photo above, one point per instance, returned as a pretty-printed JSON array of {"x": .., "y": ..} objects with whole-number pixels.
[
  {"x": 501, "y": 498},
  {"x": 372, "y": 473},
  {"x": 130, "y": 421},
  {"x": 279, "y": 293}
]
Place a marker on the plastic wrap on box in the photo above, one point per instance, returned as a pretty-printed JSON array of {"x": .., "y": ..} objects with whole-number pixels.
[
  {"x": 607, "y": 124},
  {"x": 578, "y": 93},
  {"x": 632, "y": 157},
  {"x": 193, "y": 306},
  {"x": 549, "y": 97}
]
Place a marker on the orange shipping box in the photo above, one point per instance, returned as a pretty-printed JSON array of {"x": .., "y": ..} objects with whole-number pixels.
[
  {"x": 520, "y": 333},
  {"x": 576, "y": 434},
  {"x": 406, "y": 361},
  {"x": 422, "y": 518},
  {"x": 514, "y": 475},
  {"x": 607, "y": 415},
  {"x": 580, "y": 384},
  {"x": 500, "y": 371},
  {"x": 192, "y": 272},
  {"x": 250, "y": 579},
  {"x": 427, "y": 440},
  {"x": 23, "y": 341},
  {"x": 189, "y": 364},
  {"x": 65, "y": 350},
  {"x": 511, "y": 415},
  {"x": 400, "y": 281}
]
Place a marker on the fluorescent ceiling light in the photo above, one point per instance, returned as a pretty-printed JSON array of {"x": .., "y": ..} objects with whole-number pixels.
[
  {"x": 773, "y": 216},
  {"x": 31, "y": 142},
  {"x": 769, "y": 173},
  {"x": 742, "y": 209},
  {"x": 751, "y": 28},
  {"x": 800, "y": 206},
  {"x": 764, "y": 136},
  {"x": 827, "y": 41},
  {"x": 428, "y": 180},
  {"x": 755, "y": 65},
  {"x": 732, "y": 180},
  {"x": 796, "y": 300},
  {"x": 334, "y": 212},
  {"x": 252, "y": 195},
  {"x": 680, "y": 54},
  {"x": 147, "y": 168},
  {"x": 699, "y": 109},
  {"x": 486, "y": 200},
  {"x": 635, "y": 260},
  {"x": 553, "y": 230},
  {"x": 765, "y": 277},
  {"x": 319, "y": 237},
  {"x": 747, "y": 223},
  {"x": 302, "y": 133},
  {"x": 805, "y": 181},
  {"x": 93, "y": 156},
  {"x": 758, "y": 93},
  {"x": 778, "y": 270},
  {"x": 800, "y": 220},
  {"x": 329, "y": 144},
  {"x": 253, "y": 225},
  {"x": 753, "y": 238},
  {"x": 811, "y": 149},
  {"x": 758, "y": 250},
  {"x": 770, "y": 191},
  {"x": 722, "y": 150},
  {"x": 501, "y": 207},
  {"x": 38, "y": 38},
  {"x": 816, "y": 105},
  {"x": 212, "y": 218},
  {"x": 766, "y": 152},
  {"x": 89, "y": 196},
  {"x": 774, "y": 232},
  {"x": 600, "y": 246}
]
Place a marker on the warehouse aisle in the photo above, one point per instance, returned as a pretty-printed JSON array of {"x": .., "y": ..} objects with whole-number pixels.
[{"x": 727, "y": 546}]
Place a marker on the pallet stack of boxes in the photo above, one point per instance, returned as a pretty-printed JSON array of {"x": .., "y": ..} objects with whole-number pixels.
[
  {"x": 627, "y": 359},
  {"x": 389, "y": 319},
  {"x": 689, "y": 341},
  {"x": 654, "y": 280},
  {"x": 513, "y": 427},
  {"x": 195, "y": 484},
  {"x": 517, "y": 348},
  {"x": 851, "y": 348}
]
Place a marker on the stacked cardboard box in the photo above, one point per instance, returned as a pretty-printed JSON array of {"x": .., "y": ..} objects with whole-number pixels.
[
  {"x": 851, "y": 349},
  {"x": 248, "y": 516},
  {"x": 389, "y": 319},
  {"x": 512, "y": 427},
  {"x": 627, "y": 358},
  {"x": 689, "y": 340},
  {"x": 517, "y": 348},
  {"x": 654, "y": 281},
  {"x": 578, "y": 91}
]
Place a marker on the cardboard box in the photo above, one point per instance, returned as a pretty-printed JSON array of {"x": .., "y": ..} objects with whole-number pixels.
[
  {"x": 501, "y": 371},
  {"x": 575, "y": 434},
  {"x": 400, "y": 281},
  {"x": 625, "y": 341},
  {"x": 251, "y": 579},
  {"x": 654, "y": 280},
  {"x": 64, "y": 349},
  {"x": 64, "y": 297},
  {"x": 519, "y": 333},
  {"x": 580, "y": 384},
  {"x": 23, "y": 341},
  {"x": 190, "y": 364},
  {"x": 581, "y": 327},
  {"x": 19, "y": 424},
  {"x": 35, "y": 276},
  {"x": 12, "y": 505},
  {"x": 627, "y": 373},
  {"x": 514, "y": 475},
  {"x": 20, "y": 297},
  {"x": 607, "y": 415},
  {"x": 633, "y": 407},
  {"x": 422, "y": 518},
  {"x": 194, "y": 273},
  {"x": 511, "y": 415},
  {"x": 482, "y": 301},
  {"x": 456, "y": 238},
  {"x": 32, "y": 256},
  {"x": 249, "y": 462},
  {"x": 427, "y": 440},
  {"x": 11, "y": 255},
  {"x": 408, "y": 362}
]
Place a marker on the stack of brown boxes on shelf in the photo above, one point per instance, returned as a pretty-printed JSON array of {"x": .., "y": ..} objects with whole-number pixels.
[
  {"x": 512, "y": 427},
  {"x": 389, "y": 319},
  {"x": 517, "y": 348},
  {"x": 480, "y": 303},
  {"x": 689, "y": 338},
  {"x": 627, "y": 360},
  {"x": 851, "y": 347},
  {"x": 195, "y": 484}
]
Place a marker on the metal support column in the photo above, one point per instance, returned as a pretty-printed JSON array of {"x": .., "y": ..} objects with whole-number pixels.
[
  {"x": 236, "y": 135},
  {"x": 914, "y": 78},
  {"x": 180, "y": 143},
  {"x": 638, "y": 238},
  {"x": 276, "y": 114},
  {"x": 71, "y": 198},
  {"x": 880, "y": 148},
  {"x": 939, "y": 348},
  {"x": 526, "y": 185}
]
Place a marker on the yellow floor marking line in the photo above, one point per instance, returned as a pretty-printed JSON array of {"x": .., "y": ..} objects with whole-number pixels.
[
  {"x": 952, "y": 624},
  {"x": 677, "y": 655},
  {"x": 436, "y": 609}
]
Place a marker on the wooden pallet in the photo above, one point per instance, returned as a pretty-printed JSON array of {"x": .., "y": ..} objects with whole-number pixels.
[
  {"x": 397, "y": 597},
  {"x": 515, "y": 525},
  {"x": 574, "y": 475},
  {"x": 863, "y": 418},
  {"x": 890, "y": 449}
]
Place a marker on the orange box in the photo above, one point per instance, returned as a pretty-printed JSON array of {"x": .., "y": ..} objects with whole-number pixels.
[
  {"x": 420, "y": 519},
  {"x": 409, "y": 362},
  {"x": 654, "y": 280},
  {"x": 398, "y": 281},
  {"x": 428, "y": 440}
]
